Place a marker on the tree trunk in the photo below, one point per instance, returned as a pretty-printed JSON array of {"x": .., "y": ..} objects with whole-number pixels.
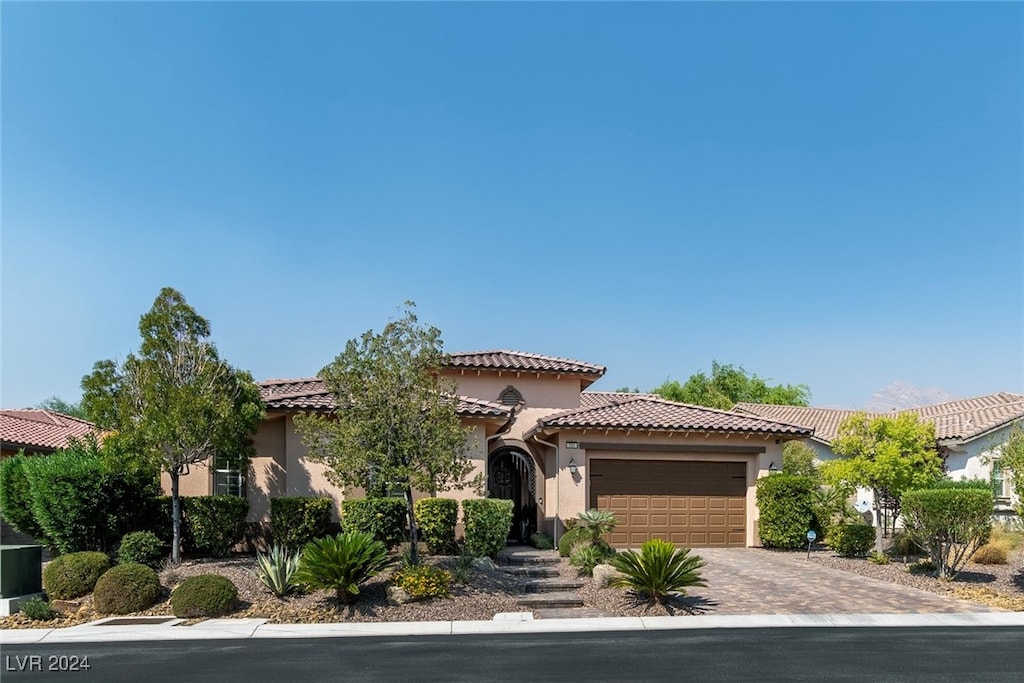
[
  {"x": 414, "y": 535},
  {"x": 878, "y": 522},
  {"x": 175, "y": 517}
]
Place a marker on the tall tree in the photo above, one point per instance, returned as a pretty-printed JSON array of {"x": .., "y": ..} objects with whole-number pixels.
[
  {"x": 176, "y": 402},
  {"x": 59, "y": 405},
  {"x": 396, "y": 427},
  {"x": 888, "y": 455},
  {"x": 729, "y": 385}
]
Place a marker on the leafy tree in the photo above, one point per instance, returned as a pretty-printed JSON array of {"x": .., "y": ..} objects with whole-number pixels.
[
  {"x": 798, "y": 458},
  {"x": 627, "y": 390},
  {"x": 1011, "y": 459},
  {"x": 889, "y": 455},
  {"x": 729, "y": 385},
  {"x": 176, "y": 402},
  {"x": 396, "y": 425},
  {"x": 59, "y": 405}
]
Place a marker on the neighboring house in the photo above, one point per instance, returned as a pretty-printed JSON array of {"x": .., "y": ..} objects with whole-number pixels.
[
  {"x": 539, "y": 438},
  {"x": 968, "y": 432},
  {"x": 39, "y": 431}
]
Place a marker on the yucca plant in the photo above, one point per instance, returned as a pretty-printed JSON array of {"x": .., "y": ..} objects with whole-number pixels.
[
  {"x": 276, "y": 570},
  {"x": 341, "y": 563},
  {"x": 658, "y": 570}
]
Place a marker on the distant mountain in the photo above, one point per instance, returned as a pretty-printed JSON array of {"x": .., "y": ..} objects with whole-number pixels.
[{"x": 900, "y": 396}]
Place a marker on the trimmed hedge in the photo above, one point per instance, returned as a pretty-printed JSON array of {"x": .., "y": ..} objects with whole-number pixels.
[
  {"x": 74, "y": 575},
  {"x": 382, "y": 518},
  {"x": 851, "y": 540},
  {"x": 210, "y": 525},
  {"x": 126, "y": 588},
  {"x": 206, "y": 595},
  {"x": 143, "y": 547},
  {"x": 949, "y": 523},
  {"x": 16, "y": 498},
  {"x": 784, "y": 503},
  {"x": 297, "y": 520},
  {"x": 436, "y": 519},
  {"x": 488, "y": 521}
]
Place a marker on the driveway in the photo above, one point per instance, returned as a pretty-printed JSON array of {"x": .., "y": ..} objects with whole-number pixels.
[{"x": 755, "y": 581}]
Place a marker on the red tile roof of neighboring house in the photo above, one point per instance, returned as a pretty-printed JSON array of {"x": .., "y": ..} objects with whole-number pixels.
[
  {"x": 310, "y": 393},
  {"x": 42, "y": 429},
  {"x": 644, "y": 412},
  {"x": 961, "y": 420},
  {"x": 592, "y": 399},
  {"x": 523, "y": 362}
]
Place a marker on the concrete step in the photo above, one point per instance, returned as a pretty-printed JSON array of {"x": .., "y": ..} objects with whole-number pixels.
[
  {"x": 549, "y": 585},
  {"x": 569, "y": 613},
  {"x": 532, "y": 571},
  {"x": 530, "y": 559},
  {"x": 550, "y": 600}
]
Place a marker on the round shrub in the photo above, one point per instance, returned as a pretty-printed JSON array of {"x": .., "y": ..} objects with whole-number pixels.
[
  {"x": 436, "y": 518},
  {"x": 851, "y": 540},
  {"x": 488, "y": 521},
  {"x": 991, "y": 553},
  {"x": 424, "y": 581},
  {"x": 142, "y": 547},
  {"x": 37, "y": 609},
  {"x": 74, "y": 575},
  {"x": 570, "y": 538},
  {"x": 126, "y": 588},
  {"x": 206, "y": 595}
]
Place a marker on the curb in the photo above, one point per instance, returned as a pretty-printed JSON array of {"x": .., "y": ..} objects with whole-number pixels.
[{"x": 221, "y": 629}]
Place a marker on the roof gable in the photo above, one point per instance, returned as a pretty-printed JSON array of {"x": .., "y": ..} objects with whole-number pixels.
[{"x": 518, "y": 361}]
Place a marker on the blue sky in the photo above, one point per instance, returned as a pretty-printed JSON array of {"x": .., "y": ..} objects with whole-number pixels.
[{"x": 829, "y": 194}]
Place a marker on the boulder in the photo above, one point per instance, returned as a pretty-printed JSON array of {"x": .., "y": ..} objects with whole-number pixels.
[
  {"x": 485, "y": 564},
  {"x": 603, "y": 574},
  {"x": 397, "y": 595}
]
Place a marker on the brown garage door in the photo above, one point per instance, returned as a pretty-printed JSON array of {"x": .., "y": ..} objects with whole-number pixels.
[{"x": 691, "y": 504}]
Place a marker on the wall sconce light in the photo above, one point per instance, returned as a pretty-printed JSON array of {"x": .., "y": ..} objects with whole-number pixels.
[
  {"x": 573, "y": 467},
  {"x": 772, "y": 467}
]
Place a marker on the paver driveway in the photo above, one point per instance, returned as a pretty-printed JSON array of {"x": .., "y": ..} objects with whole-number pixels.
[{"x": 755, "y": 581}]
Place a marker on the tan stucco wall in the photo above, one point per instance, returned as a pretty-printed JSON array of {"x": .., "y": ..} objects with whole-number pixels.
[{"x": 545, "y": 391}]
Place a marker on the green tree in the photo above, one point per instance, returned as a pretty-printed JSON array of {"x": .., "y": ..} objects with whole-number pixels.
[
  {"x": 59, "y": 405},
  {"x": 177, "y": 402},
  {"x": 798, "y": 459},
  {"x": 729, "y": 385},
  {"x": 889, "y": 455},
  {"x": 396, "y": 427},
  {"x": 1011, "y": 459}
]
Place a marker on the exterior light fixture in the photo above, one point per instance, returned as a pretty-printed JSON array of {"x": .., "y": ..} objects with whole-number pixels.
[
  {"x": 772, "y": 467},
  {"x": 573, "y": 467}
]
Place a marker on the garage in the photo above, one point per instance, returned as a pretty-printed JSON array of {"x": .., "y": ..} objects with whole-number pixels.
[{"x": 695, "y": 504}]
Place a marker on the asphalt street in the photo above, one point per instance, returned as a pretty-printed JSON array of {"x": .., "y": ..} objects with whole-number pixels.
[{"x": 749, "y": 654}]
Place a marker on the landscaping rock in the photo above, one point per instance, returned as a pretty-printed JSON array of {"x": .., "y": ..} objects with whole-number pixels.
[
  {"x": 397, "y": 595},
  {"x": 603, "y": 575},
  {"x": 66, "y": 607},
  {"x": 485, "y": 563}
]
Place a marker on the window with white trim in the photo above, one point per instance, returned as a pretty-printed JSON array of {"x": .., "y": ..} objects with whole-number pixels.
[
  {"x": 227, "y": 477},
  {"x": 999, "y": 483}
]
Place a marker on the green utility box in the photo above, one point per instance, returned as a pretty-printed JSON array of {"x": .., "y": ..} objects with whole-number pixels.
[{"x": 21, "y": 570}]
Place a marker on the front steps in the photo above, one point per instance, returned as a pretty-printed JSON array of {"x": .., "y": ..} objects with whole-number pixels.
[{"x": 546, "y": 593}]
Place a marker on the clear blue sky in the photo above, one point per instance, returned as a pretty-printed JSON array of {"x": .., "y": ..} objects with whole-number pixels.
[{"x": 829, "y": 194}]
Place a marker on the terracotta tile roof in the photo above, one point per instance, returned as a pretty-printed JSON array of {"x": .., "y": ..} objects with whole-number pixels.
[
  {"x": 592, "y": 399},
  {"x": 961, "y": 420},
  {"x": 38, "y": 428},
  {"x": 824, "y": 421},
  {"x": 526, "y": 362},
  {"x": 646, "y": 412},
  {"x": 310, "y": 393}
]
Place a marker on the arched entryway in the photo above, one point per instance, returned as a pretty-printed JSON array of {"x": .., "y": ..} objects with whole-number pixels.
[{"x": 511, "y": 475}]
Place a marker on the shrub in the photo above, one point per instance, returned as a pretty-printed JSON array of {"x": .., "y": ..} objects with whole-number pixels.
[
  {"x": 903, "y": 545},
  {"x": 949, "y": 522},
  {"x": 276, "y": 570},
  {"x": 341, "y": 563},
  {"x": 141, "y": 546},
  {"x": 436, "y": 519},
  {"x": 74, "y": 575},
  {"x": 851, "y": 540},
  {"x": 38, "y": 609},
  {"x": 922, "y": 567},
  {"x": 829, "y": 507},
  {"x": 463, "y": 566},
  {"x": 424, "y": 581},
  {"x": 126, "y": 588},
  {"x": 16, "y": 498},
  {"x": 382, "y": 518},
  {"x": 570, "y": 538},
  {"x": 217, "y": 523},
  {"x": 597, "y": 522},
  {"x": 488, "y": 521},
  {"x": 991, "y": 553},
  {"x": 296, "y": 520},
  {"x": 875, "y": 557},
  {"x": 658, "y": 570},
  {"x": 784, "y": 502},
  {"x": 206, "y": 595},
  {"x": 586, "y": 555},
  {"x": 542, "y": 541}
]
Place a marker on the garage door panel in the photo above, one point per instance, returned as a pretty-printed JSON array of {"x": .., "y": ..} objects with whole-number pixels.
[{"x": 693, "y": 504}]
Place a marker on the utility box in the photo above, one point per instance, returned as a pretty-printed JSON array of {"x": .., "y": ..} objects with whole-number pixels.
[{"x": 21, "y": 570}]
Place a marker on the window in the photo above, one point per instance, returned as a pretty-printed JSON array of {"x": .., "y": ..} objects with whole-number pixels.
[
  {"x": 998, "y": 481},
  {"x": 227, "y": 477}
]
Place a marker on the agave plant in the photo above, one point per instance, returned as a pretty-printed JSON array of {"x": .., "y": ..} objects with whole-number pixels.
[
  {"x": 276, "y": 570},
  {"x": 341, "y": 563},
  {"x": 658, "y": 570},
  {"x": 597, "y": 522}
]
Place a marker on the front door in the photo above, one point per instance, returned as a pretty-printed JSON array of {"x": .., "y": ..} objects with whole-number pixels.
[{"x": 511, "y": 476}]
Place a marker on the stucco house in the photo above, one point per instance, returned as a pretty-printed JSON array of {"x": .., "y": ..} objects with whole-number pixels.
[
  {"x": 542, "y": 439},
  {"x": 968, "y": 432}
]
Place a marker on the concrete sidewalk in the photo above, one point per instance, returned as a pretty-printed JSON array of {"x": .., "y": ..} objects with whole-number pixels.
[{"x": 221, "y": 629}]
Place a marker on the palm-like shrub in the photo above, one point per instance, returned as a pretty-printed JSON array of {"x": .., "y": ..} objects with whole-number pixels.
[
  {"x": 276, "y": 570},
  {"x": 341, "y": 563},
  {"x": 658, "y": 570},
  {"x": 596, "y": 522},
  {"x": 585, "y": 557}
]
